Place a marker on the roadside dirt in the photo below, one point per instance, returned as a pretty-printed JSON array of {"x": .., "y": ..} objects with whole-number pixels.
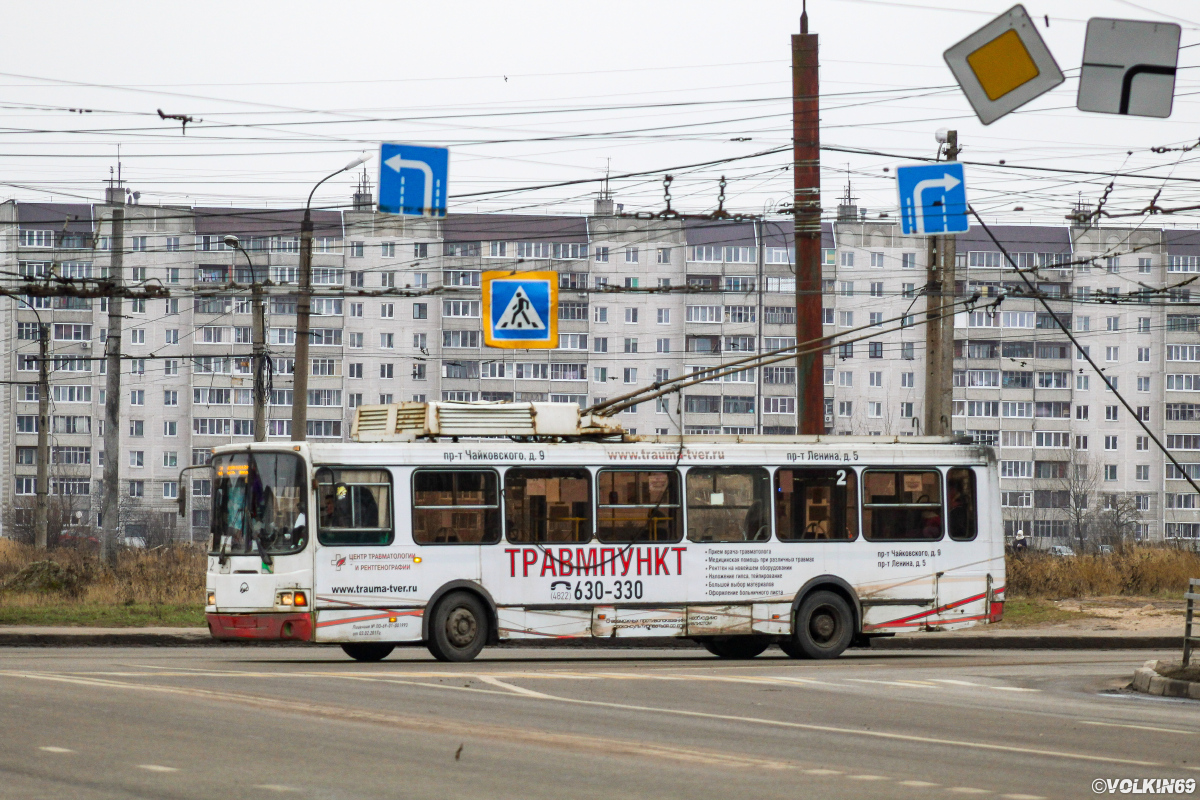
[{"x": 1149, "y": 615}]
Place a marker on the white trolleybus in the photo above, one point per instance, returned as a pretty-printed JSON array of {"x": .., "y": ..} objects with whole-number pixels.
[{"x": 459, "y": 525}]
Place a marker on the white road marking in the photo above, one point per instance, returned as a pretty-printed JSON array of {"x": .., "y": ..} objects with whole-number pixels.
[
  {"x": 967, "y": 790},
  {"x": 157, "y": 768},
  {"x": 823, "y": 772},
  {"x": 984, "y": 685},
  {"x": 919, "y": 784},
  {"x": 1139, "y": 727},
  {"x": 56, "y": 750},
  {"x": 894, "y": 683},
  {"x": 234, "y": 697},
  {"x": 276, "y": 787},
  {"x": 867, "y": 778},
  {"x": 514, "y": 689}
]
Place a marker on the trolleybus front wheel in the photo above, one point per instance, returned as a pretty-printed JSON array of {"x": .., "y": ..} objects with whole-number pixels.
[
  {"x": 824, "y": 627},
  {"x": 736, "y": 646},
  {"x": 459, "y": 628},
  {"x": 368, "y": 651}
]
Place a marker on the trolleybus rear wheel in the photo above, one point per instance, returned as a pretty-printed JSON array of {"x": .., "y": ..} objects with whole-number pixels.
[
  {"x": 736, "y": 646},
  {"x": 459, "y": 628},
  {"x": 368, "y": 651},
  {"x": 824, "y": 627}
]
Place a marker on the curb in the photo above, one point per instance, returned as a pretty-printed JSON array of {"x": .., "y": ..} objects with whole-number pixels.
[
  {"x": 109, "y": 639},
  {"x": 1147, "y": 680},
  {"x": 1025, "y": 642},
  {"x": 199, "y": 637}
]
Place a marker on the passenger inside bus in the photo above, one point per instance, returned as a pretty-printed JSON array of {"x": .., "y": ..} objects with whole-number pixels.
[{"x": 355, "y": 506}]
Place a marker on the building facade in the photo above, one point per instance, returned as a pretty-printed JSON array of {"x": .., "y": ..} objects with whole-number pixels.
[{"x": 397, "y": 317}]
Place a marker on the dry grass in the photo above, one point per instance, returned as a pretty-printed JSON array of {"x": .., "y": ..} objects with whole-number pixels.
[
  {"x": 1136, "y": 571},
  {"x": 70, "y": 586}
]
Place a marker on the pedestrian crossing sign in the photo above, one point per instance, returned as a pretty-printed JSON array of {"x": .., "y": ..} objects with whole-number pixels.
[{"x": 520, "y": 309}]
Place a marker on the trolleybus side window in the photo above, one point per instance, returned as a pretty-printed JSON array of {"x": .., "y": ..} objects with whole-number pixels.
[
  {"x": 355, "y": 506},
  {"x": 902, "y": 504},
  {"x": 455, "y": 507},
  {"x": 728, "y": 504},
  {"x": 638, "y": 506},
  {"x": 548, "y": 505},
  {"x": 816, "y": 505},
  {"x": 964, "y": 512}
]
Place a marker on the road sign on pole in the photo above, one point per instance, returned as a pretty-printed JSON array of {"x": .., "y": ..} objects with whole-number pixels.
[
  {"x": 413, "y": 180},
  {"x": 1003, "y": 65},
  {"x": 520, "y": 309},
  {"x": 933, "y": 199},
  {"x": 1129, "y": 67}
]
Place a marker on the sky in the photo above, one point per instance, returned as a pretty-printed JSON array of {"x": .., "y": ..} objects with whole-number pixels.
[{"x": 527, "y": 93}]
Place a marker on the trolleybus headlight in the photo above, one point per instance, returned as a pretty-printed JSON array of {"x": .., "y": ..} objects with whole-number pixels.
[
  {"x": 291, "y": 598},
  {"x": 212, "y": 598},
  {"x": 416, "y": 559}
]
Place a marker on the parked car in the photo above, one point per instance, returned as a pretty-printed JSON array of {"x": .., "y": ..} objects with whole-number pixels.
[
  {"x": 1061, "y": 550},
  {"x": 1105, "y": 550}
]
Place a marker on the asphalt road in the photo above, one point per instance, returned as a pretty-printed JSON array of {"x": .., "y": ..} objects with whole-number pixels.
[{"x": 230, "y": 723}]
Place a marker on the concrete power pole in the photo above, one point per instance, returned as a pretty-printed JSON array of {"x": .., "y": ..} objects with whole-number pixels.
[
  {"x": 41, "y": 522},
  {"x": 303, "y": 306},
  {"x": 110, "y": 513},
  {"x": 259, "y": 335},
  {"x": 939, "y": 324},
  {"x": 806, "y": 204}
]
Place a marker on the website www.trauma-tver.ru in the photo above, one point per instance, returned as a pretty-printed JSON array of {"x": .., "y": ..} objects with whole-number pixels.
[{"x": 372, "y": 589}]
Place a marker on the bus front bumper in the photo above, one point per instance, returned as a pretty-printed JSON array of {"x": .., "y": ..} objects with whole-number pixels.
[{"x": 285, "y": 627}]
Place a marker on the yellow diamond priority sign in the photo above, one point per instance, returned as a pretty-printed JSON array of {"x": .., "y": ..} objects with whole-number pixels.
[{"x": 1003, "y": 65}]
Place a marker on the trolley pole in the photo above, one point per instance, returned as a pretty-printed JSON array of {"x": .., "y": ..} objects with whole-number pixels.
[
  {"x": 41, "y": 522},
  {"x": 110, "y": 521},
  {"x": 806, "y": 169},
  {"x": 939, "y": 325}
]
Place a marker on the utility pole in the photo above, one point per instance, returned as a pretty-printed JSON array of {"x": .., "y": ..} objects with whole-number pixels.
[
  {"x": 300, "y": 375},
  {"x": 109, "y": 514},
  {"x": 41, "y": 522},
  {"x": 259, "y": 337},
  {"x": 939, "y": 323},
  {"x": 806, "y": 204},
  {"x": 303, "y": 306}
]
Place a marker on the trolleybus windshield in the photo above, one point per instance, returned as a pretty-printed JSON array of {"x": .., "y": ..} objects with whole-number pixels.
[{"x": 259, "y": 500}]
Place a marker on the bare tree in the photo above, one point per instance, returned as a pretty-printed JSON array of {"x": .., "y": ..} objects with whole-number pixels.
[
  {"x": 1079, "y": 503},
  {"x": 1117, "y": 519}
]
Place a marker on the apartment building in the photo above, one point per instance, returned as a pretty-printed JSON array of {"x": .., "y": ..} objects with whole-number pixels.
[{"x": 397, "y": 317}]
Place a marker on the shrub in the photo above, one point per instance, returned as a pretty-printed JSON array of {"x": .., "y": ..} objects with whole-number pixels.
[{"x": 1129, "y": 571}]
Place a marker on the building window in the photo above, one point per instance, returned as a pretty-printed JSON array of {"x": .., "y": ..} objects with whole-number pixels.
[
  {"x": 1110, "y": 472},
  {"x": 631, "y": 255}
]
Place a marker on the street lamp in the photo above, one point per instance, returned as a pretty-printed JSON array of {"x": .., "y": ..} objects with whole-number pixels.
[
  {"x": 258, "y": 338},
  {"x": 300, "y": 379}
]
